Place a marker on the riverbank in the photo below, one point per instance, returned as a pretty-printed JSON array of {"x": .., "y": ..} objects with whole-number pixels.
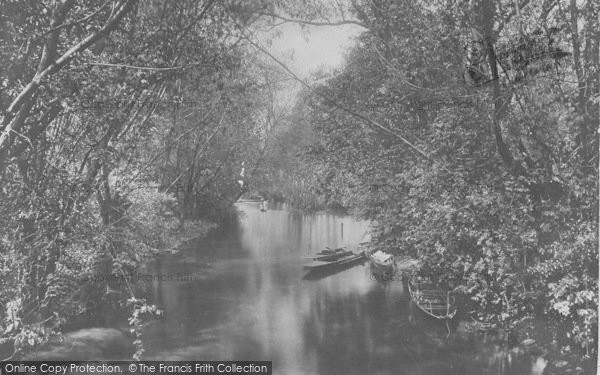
[
  {"x": 243, "y": 292},
  {"x": 105, "y": 297},
  {"x": 191, "y": 231},
  {"x": 252, "y": 299},
  {"x": 299, "y": 201}
]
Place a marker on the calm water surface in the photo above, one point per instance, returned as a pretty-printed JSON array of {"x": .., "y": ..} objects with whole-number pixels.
[{"x": 243, "y": 296}]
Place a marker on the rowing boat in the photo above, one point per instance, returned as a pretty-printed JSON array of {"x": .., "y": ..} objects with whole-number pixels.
[
  {"x": 341, "y": 261},
  {"x": 382, "y": 259},
  {"x": 329, "y": 254},
  {"x": 432, "y": 301}
]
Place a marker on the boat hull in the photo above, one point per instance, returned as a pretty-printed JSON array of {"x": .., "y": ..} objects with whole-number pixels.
[
  {"x": 382, "y": 260},
  {"x": 383, "y": 267},
  {"x": 331, "y": 256},
  {"x": 432, "y": 302},
  {"x": 342, "y": 261},
  {"x": 326, "y": 271}
]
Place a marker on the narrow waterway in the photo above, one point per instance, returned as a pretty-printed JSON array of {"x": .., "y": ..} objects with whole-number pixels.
[{"x": 243, "y": 295}]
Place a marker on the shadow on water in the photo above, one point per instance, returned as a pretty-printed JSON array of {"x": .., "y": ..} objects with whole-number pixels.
[
  {"x": 246, "y": 296},
  {"x": 319, "y": 274}
]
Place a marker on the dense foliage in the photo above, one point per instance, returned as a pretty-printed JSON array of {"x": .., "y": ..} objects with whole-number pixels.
[
  {"x": 467, "y": 133},
  {"x": 123, "y": 124}
]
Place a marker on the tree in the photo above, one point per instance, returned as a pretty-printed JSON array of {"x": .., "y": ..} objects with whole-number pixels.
[
  {"x": 505, "y": 199},
  {"x": 94, "y": 104}
]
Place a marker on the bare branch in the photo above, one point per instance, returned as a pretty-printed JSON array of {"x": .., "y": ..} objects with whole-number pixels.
[
  {"x": 143, "y": 67},
  {"x": 314, "y": 23},
  {"x": 27, "y": 92},
  {"x": 63, "y": 25},
  {"x": 365, "y": 119}
]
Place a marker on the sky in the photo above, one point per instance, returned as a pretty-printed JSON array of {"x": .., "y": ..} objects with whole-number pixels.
[
  {"x": 306, "y": 50},
  {"x": 314, "y": 47}
]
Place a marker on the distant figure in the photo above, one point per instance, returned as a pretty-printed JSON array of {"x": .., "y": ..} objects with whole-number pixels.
[
  {"x": 538, "y": 366},
  {"x": 263, "y": 206},
  {"x": 241, "y": 181}
]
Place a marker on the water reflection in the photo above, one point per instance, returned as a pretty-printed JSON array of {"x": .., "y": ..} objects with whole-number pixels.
[{"x": 248, "y": 301}]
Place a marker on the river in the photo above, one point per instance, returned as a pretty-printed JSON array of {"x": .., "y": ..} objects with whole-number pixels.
[{"x": 242, "y": 295}]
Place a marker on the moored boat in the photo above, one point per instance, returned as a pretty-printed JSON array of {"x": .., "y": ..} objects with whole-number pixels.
[
  {"x": 328, "y": 254},
  {"x": 382, "y": 259},
  {"x": 345, "y": 260},
  {"x": 431, "y": 300},
  {"x": 349, "y": 259}
]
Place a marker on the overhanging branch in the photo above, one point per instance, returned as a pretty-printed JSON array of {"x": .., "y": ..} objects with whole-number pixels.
[
  {"x": 365, "y": 119},
  {"x": 314, "y": 23},
  {"x": 28, "y": 91}
]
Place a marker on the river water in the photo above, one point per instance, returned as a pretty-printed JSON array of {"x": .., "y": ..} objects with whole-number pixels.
[{"x": 243, "y": 295}]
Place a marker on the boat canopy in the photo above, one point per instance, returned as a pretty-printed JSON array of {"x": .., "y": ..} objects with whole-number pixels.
[{"x": 381, "y": 257}]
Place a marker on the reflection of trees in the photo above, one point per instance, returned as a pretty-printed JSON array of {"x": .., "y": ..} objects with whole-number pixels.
[{"x": 368, "y": 334}]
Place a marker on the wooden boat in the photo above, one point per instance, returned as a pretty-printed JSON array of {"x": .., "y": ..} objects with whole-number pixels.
[
  {"x": 343, "y": 261},
  {"x": 432, "y": 301},
  {"x": 333, "y": 268},
  {"x": 384, "y": 275},
  {"x": 382, "y": 259},
  {"x": 349, "y": 259},
  {"x": 407, "y": 265},
  {"x": 329, "y": 254}
]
